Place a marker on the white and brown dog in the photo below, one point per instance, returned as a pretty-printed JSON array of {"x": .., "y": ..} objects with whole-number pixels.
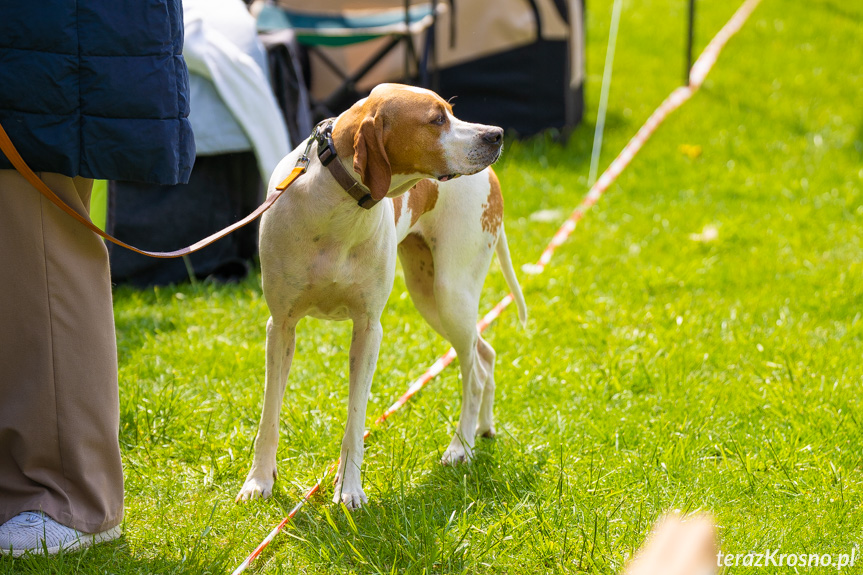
[{"x": 329, "y": 252}]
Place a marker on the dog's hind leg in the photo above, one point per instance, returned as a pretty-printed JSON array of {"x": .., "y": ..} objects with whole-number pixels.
[
  {"x": 486, "y": 355},
  {"x": 457, "y": 309},
  {"x": 447, "y": 296},
  {"x": 281, "y": 336}
]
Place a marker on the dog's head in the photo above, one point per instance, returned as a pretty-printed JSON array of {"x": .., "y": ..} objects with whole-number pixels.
[{"x": 412, "y": 131}]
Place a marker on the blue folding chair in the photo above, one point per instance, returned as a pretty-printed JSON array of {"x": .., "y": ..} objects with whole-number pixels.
[{"x": 338, "y": 23}]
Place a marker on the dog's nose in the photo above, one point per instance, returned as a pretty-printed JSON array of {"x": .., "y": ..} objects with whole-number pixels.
[{"x": 493, "y": 136}]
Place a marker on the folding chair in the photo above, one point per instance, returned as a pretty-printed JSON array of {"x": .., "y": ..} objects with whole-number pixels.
[{"x": 341, "y": 23}]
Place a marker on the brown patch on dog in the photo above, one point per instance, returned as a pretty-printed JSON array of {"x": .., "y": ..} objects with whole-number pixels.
[
  {"x": 422, "y": 199},
  {"x": 371, "y": 160},
  {"x": 397, "y": 208},
  {"x": 492, "y": 211},
  {"x": 418, "y": 264}
]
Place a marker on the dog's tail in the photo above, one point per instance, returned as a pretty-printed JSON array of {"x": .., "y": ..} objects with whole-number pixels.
[{"x": 503, "y": 257}]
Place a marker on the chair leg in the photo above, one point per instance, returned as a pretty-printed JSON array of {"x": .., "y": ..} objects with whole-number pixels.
[
  {"x": 328, "y": 62},
  {"x": 408, "y": 40},
  {"x": 411, "y": 57},
  {"x": 433, "y": 42},
  {"x": 333, "y": 100},
  {"x": 428, "y": 62}
]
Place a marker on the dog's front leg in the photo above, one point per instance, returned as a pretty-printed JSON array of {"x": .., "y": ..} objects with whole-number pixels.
[
  {"x": 281, "y": 336},
  {"x": 365, "y": 345}
]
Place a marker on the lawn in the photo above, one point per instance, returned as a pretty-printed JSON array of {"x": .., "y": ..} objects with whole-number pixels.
[{"x": 695, "y": 346}]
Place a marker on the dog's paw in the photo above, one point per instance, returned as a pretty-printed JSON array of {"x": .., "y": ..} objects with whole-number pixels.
[
  {"x": 353, "y": 499},
  {"x": 456, "y": 453},
  {"x": 487, "y": 432},
  {"x": 255, "y": 488}
]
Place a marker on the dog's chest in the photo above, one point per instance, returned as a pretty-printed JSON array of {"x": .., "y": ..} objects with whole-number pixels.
[
  {"x": 339, "y": 283},
  {"x": 329, "y": 268}
]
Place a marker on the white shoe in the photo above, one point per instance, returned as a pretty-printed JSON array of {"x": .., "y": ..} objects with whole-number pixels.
[{"x": 35, "y": 532}]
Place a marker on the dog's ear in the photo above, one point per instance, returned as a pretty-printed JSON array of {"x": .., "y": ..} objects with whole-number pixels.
[{"x": 370, "y": 157}]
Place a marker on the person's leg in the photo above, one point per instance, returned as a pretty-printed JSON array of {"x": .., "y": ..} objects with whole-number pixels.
[{"x": 59, "y": 404}]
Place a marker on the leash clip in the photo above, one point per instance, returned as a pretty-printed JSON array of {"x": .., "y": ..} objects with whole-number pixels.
[
  {"x": 303, "y": 162},
  {"x": 326, "y": 145},
  {"x": 323, "y": 135}
]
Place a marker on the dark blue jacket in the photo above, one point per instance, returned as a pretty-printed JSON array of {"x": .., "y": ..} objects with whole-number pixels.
[{"x": 97, "y": 88}]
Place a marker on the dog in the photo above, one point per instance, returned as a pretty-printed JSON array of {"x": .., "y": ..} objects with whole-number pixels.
[{"x": 385, "y": 184}]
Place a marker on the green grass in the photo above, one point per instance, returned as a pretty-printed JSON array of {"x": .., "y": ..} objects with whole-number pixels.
[
  {"x": 99, "y": 203},
  {"x": 658, "y": 372}
]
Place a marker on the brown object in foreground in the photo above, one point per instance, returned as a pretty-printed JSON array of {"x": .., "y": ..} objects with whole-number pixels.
[
  {"x": 59, "y": 401},
  {"x": 677, "y": 547}
]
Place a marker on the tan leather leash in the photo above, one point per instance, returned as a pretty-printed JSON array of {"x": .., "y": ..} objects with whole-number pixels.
[{"x": 9, "y": 149}]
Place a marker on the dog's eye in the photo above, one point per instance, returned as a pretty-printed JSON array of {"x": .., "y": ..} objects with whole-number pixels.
[{"x": 439, "y": 120}]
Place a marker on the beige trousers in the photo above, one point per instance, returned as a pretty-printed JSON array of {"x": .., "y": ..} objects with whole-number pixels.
[{"x": 59, "y": 401}]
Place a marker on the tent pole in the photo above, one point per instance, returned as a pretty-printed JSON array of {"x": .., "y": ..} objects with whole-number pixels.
[{"x": 689, "y": 38}]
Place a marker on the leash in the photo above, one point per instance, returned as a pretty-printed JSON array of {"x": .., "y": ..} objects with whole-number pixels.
[{"x": 11, "y": 152}]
